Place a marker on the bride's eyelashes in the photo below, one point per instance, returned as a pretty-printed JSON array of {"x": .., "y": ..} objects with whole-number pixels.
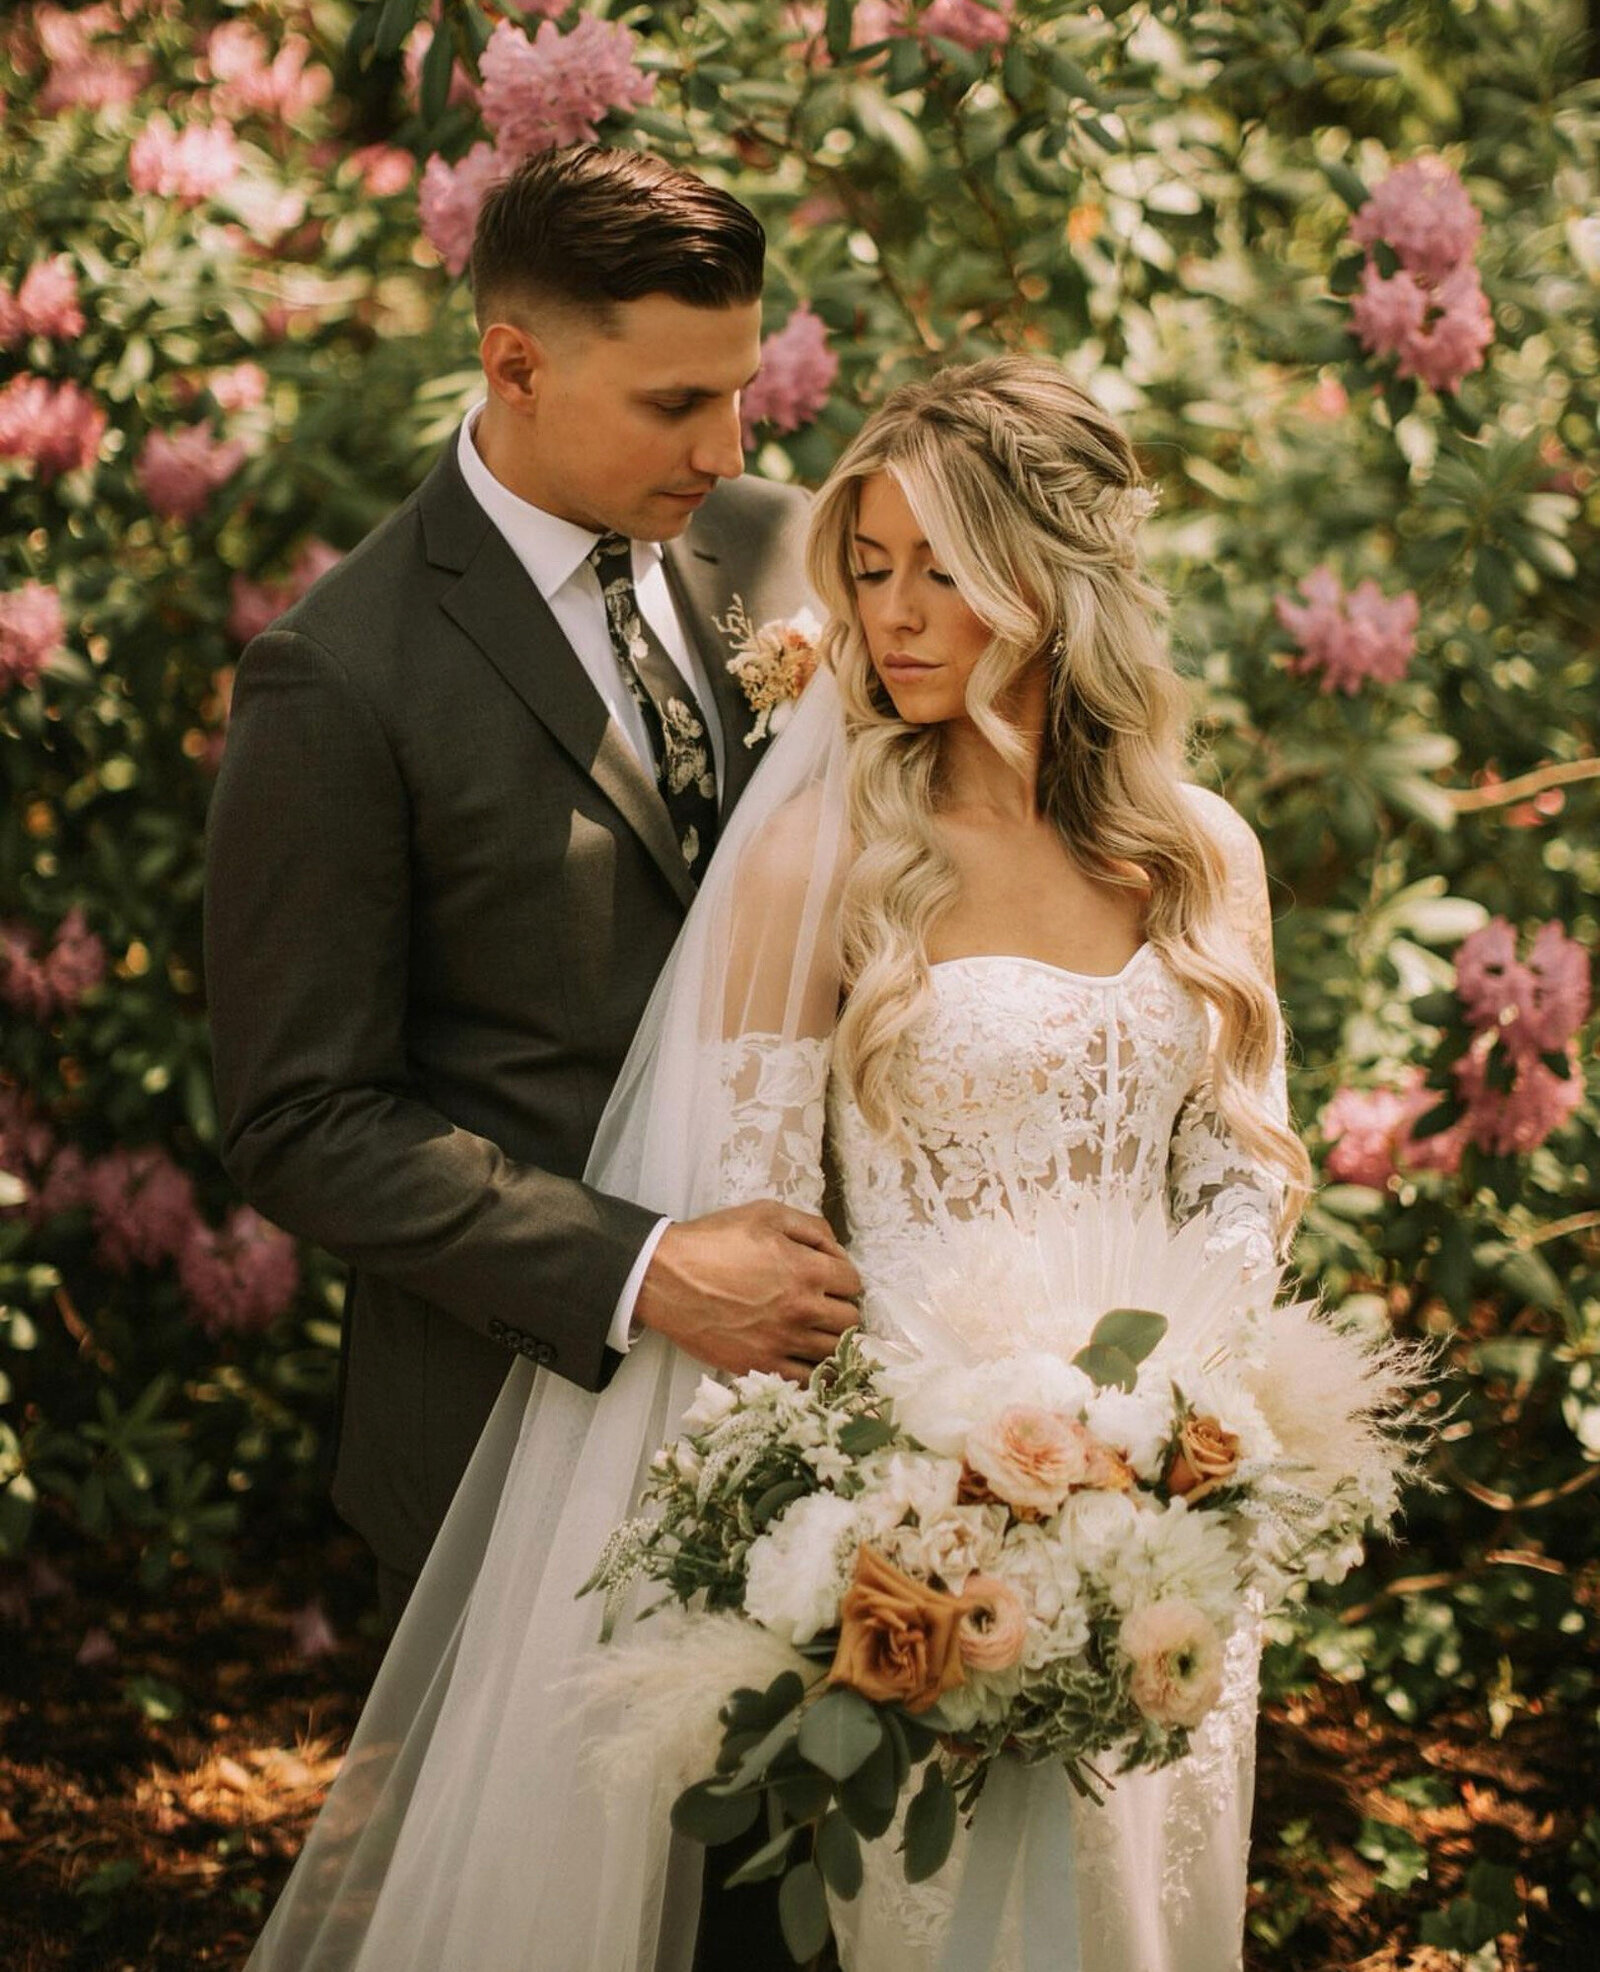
[{"x": 878, "y": 574}]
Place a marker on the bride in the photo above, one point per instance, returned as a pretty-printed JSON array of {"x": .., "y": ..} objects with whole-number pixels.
[{"x": 970, "y": 950}]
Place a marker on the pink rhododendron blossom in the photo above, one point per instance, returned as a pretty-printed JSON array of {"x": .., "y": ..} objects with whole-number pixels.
[
  {"x": 1350, "y": 638},
  {"x": 100, "y": 81},
  {"x": 462, "y": 87},
  {"x": 1421, "y": 210},
  {"x": 314, "y": 1636},
  {"x": 1433, "y": 314},
  {"x": 42, "y": 987},
  {"x": 384, "y": 169},
  {"x": 558, "y": 88},
  {"x": 57, "y": 427},
  {"x": 32, "y": 630},
  {"x": 1535, "y": 1008},
  {"x": 797, "y": 372},
  {"x": 97, "y": 1647},
  {"x": 238, "y": 1279},
  {"x": 46, "y": 304},
  {"x": 282, "y": 88},
  {"x": 258, "y": 604},
  {"x": 63, "y": 1187},
  {"x": 450, "y": 196},
  {"x": 1369, "y": 1132},
  {"x": 968, "y": 23},
  {"x": 189, "y": 165},
  {"x": 143, "y": 1206},
  {"x": 178, "y": 471},
  {"x": 240, "y": 387},
  {"x": 1458, "y": 331},
  {"x": 1512, "y": 1122},
  {"x": 1387, "y": 315}
]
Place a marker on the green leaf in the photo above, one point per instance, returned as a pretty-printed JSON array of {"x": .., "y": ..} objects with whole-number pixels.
[
  {"x": 1346, "y": 183},
  {"x": 803, "y": 1912},
  {"x": 840, "y": 1732},
  {"x": 705, "y": 1816},
  {"x": 930, "y": 1826},
  {"x": 839, "y": 1855},
  {"x": 803, "y": 1794},
  {"x": 863, "y": 1435},
  {"x": 1491, "y": 1905},
  {"x": 1437, "y": 1009},
  {"x": 755, "y": 1763},
  {"x": 840, "y": 20},
  {"x": 776, "y": 1498},
  {"x": 1135, "y": 1331},
  {"x": 155, "y": 1698},
  {"x": 870, "y": 1795},
  {"x": 1401, "y": 1858},
  {"x": 436, "y": 67},
  {"x": 768, "y": 1860},
  {"x": 1109, "y": 1369},
  {"x": 394, "y": 24},
  {"x": 920, "y": 1739},
  {"x": 1361, "y": 62}
]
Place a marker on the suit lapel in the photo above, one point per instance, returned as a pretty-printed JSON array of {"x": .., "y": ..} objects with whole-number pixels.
[
  {"x": 505, "y": 616},
  {"x": 698, "y": 583}
]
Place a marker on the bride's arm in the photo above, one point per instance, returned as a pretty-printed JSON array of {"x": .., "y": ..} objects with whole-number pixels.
[
  {"x": 1209, "y": 1170},
  {"x": 780, "y": 1005}
]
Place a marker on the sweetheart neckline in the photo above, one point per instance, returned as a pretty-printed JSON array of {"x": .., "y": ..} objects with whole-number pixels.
[{"x": 1044, "y": 965}]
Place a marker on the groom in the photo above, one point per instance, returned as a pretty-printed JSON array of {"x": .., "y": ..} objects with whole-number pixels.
[{"x": 471, "y": 781}]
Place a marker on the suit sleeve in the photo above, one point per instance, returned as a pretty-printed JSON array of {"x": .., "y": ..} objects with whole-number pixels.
[{"x": 323, "y": 1129}]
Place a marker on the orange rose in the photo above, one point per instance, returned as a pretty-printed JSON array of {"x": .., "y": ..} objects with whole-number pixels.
[
  {"x": 899, "y": 1640},
  {"x": 1204, "y": 1458}
]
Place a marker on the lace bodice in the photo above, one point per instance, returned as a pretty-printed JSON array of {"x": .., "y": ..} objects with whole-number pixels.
[{"x": 1020, "y": 1084}]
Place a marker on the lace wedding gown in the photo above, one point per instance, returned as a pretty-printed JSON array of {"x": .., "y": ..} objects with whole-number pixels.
[{"x": 1023, "y": 1085}]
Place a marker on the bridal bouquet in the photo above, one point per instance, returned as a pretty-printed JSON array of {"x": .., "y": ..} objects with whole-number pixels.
[{"x": 1022, "y": 1516}]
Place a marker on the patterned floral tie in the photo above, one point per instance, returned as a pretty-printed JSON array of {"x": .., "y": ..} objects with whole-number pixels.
[{"x": 685, "y": 772}]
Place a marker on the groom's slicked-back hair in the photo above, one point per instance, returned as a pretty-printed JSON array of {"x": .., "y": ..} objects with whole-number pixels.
[{"x": 590, "y": 227}]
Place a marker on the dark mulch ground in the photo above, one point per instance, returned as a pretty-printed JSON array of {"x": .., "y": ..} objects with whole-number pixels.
[{"x": 151, "y": 1803}]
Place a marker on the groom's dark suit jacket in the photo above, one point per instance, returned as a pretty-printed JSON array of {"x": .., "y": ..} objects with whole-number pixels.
[{"x": 440, "y": 887}]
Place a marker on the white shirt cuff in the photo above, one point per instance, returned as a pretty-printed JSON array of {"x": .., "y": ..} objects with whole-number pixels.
[{"x": 623, "y": 1331}]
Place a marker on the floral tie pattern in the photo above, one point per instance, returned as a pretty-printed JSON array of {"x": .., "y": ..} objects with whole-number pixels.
[{"x": 676, "y": 725}]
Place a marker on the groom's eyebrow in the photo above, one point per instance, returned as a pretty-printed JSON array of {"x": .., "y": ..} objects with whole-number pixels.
[{"x": 694, "y": 393}]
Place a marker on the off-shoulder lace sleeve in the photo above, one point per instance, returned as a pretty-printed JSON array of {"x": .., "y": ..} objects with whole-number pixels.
[
  {"x": 1209, "y": 1170},
  {"x": 774, "y": 1095}
]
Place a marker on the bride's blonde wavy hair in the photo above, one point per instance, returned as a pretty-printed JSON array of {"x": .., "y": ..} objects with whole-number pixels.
[{"x": 1030, "y": 498}]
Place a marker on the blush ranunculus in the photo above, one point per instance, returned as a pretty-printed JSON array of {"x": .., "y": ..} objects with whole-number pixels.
[
  {"x": 994, "y": 1628},
  {"x": 1176, "y": 1658}
]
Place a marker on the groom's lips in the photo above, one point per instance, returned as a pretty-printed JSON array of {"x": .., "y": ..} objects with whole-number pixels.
[{"x": 692, "y": 497}]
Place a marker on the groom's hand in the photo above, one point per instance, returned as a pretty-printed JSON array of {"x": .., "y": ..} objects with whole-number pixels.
[{"x": 755, "y": 1287}]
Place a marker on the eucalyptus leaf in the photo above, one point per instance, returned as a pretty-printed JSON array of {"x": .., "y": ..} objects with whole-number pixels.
[
  {"x": 705, "y": 1815},
  {"x": 803, "y": 1912},
  {"x": 769, "y": 1860},
  {"x": 840, "y": 1732},
  {"x": 930, "y": 1826},
  {"x": 838, "y": 1853}
]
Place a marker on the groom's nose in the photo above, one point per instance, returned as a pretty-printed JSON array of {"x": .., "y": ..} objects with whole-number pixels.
[{"x": 719, "y": 443}]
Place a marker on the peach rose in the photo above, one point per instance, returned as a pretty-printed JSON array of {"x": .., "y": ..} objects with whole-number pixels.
[
  {"x": 1204, "y": 1458},
  {"x": 1176, "y": 1656},
  {"x": 995, "y": 1625},
  {"x": 1032, "y": 1459},
  {"x": 899, "y": 1640}
]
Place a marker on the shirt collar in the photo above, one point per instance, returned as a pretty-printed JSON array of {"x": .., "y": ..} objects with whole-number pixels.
[{"x": 551, "y": 549}]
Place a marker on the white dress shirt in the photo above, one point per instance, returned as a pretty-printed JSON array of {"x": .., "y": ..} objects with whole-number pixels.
[{"x": 555, "y": 553}]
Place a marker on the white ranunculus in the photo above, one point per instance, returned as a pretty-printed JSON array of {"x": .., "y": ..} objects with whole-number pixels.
[
  {"x": 799, "y": 1568},
  {"x": 712, "y": 1403},
  {"x": 898, "y": 1483},
  {"x": 1137, "y": 1422},
  {"x": 1095, "y": 1527}
]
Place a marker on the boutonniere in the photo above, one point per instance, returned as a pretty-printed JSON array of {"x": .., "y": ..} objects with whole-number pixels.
[{"x": 773, "y": 664}]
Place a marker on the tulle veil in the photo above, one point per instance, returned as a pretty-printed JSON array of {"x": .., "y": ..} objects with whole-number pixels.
[{"x": 467, "y": 1831}]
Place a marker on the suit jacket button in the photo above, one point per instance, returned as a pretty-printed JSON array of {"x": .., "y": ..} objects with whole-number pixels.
[
  {"x": 546, "y": 1353},
  {"x": 497, "y": 1331}
]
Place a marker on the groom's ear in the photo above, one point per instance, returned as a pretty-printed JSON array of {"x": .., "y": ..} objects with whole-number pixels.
[{"x": 514, "y": 363}]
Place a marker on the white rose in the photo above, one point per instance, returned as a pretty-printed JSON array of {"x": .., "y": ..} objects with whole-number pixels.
[
  {"x": 1096, "y": 1526},
  {"x": 964, "y": 1541},
  {"x": 797, "y": 1570},
  {"x": 1038, "y": 1566},
  {"x": 712, "y": 1403}
]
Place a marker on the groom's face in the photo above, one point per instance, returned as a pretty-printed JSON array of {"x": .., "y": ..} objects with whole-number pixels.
[{"x": 629, "y": 431}]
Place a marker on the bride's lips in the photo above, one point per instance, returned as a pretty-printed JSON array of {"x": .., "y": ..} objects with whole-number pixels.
[{"x": 900, "y": 667}]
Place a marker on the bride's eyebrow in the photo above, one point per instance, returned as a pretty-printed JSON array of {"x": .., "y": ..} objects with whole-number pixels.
[{"x": 866, "y": 541}]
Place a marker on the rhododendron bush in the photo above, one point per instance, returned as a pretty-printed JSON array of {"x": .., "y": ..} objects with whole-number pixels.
[{"x": 1337, "y": 268}]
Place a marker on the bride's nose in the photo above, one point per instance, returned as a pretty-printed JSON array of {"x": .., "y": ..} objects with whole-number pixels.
[{"x": 901, "y": 609}]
